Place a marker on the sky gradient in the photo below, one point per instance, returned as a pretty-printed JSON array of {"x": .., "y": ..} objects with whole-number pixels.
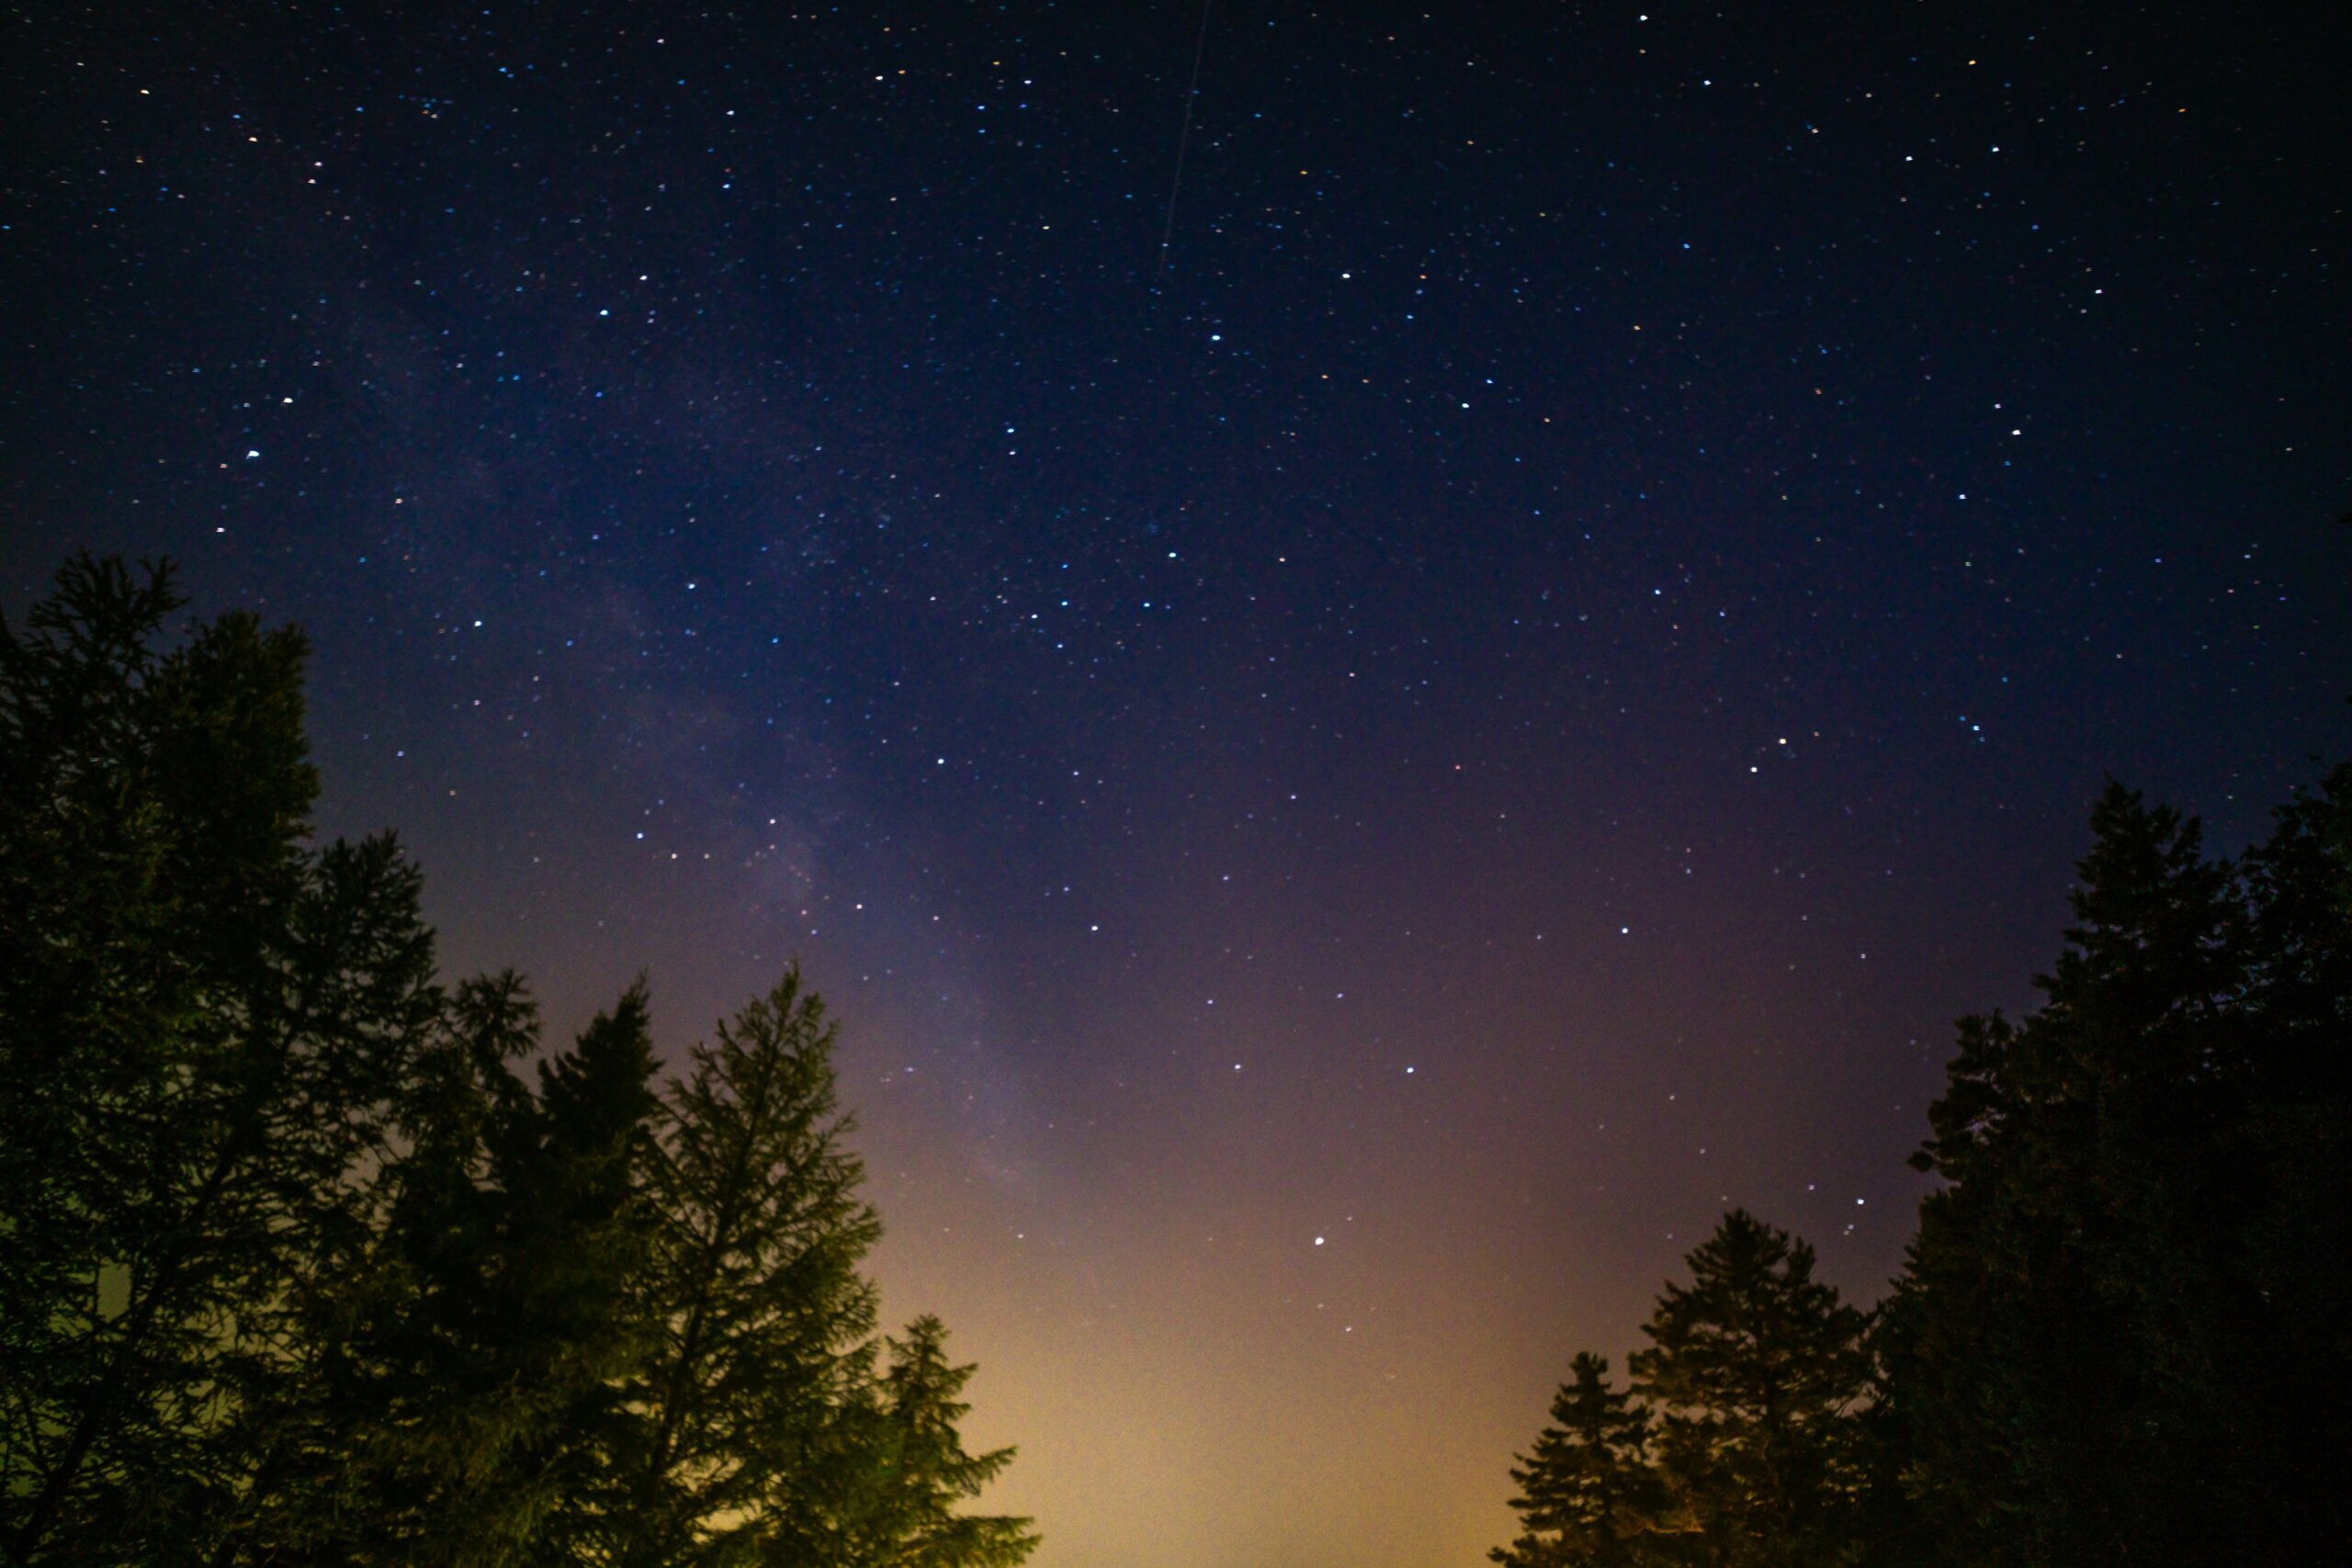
[{"x": 1362, "y": 741}]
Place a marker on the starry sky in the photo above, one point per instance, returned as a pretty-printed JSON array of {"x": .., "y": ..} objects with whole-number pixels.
[{"x": 1363, "y": 736}]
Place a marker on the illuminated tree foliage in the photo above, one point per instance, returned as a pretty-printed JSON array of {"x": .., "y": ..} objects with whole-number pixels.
[
  {"x": 904, "y": 1507},
  {"x": 758, "y": 1316},
  {"x": 299, "y": 1265}
]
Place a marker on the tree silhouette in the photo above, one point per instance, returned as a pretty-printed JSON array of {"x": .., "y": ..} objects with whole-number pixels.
[
  {"x": 911, "y": 1474},
  {"x": 1588, "y": 1493},
  {"x": 202, "y": 1024},
  {"x": 752, "y": 1293},
  {"x": 296, "y": 1266},
  {"x": 1756, "y": 1371},
  {"x": 1738, "y": 1443},
  {"x": 2122, "y": 1332}
]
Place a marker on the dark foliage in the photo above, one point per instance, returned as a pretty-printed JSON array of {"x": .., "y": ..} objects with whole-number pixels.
[
  {"x": 2124, "y": 1334},
  {"x": 297, "y": 1266},
  {"x": 1737, "y": 1443},
  {"x": 203, "y": 1025},
  {"x": 1587, "y": 1490}
]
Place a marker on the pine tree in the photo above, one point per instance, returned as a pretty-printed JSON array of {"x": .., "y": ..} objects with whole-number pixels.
[
  {"x": 752, "y": 1294},
  {"x": 2120, "y": 1330},
  {"x": 909, "y": 1475},
  {"x": 396, "y": 1445},
  {"x": 1738, "y": 1443},
  {"x": 1588, "y": 1494},
  {"x": 2060, "y": 1355},
  {"x": 1757, "y": 1371},
  {"x": 473, "y": 1367},
  {"x": 201, "y": 1023},
  {"x": 2292, "y": 1355},
  {"x": 579, "y": 1236},
  {"x": 296, "y": 1267}
]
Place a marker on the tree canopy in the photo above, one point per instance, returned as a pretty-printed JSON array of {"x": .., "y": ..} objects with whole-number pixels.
[
  {"x": 1736, "y": 1442},
  {"x": 2124, "y": 1328},
  {"x": 312, "y": 1256}
]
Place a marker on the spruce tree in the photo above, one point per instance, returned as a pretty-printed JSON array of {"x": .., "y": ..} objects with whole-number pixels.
[
  {"x": 1757, "y": 1371},
  {"x": 296, "y": 1266},
  {"x": 909, "y": 1475},
  {"x": 1588, "y": 1494},
  {"x": 2120, "y": 1332},
  {"x": 2062, "y": 1351},
  {"x": 202, "y": 1024},
  {"x": 1738, "y": 1443},
  {"x": 395, "y": 1446},
  {"x": 752, "y": 1294},
  {"x": 2292, "y": 1352},
  {"x": 473, "y": 1373},
  {"x": 500, "y": 1338},
  {"x": 578, "y": 1237}
]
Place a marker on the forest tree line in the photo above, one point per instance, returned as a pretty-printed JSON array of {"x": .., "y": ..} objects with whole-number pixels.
[
  {"x": 2123, "y": 1330},
  {"x": 309, "y": 1257}
]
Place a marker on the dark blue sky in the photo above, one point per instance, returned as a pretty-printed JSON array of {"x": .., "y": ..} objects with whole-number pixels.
[{"x": 1494, "y": 698}]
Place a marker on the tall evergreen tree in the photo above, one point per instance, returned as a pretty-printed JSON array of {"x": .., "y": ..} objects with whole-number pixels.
[
  {"x": 1756, "y": 1370},
  {"x": 395, "y": 1445},
  {"x": 475, "y": 1366},
  {"x": 579, "y": 1236},
  {"x": 759, "y": 1428},
  {"x": 1736, "y": 1444},
  {"x": 2120, "y": 1307},
  {"x": 201, "y": 1023},
  {"x": 1588, "y": 1494},
  {"x": 2291, "y": 1356},
  {"x": 296, "y": 1266},
  {"x": 753, "y": 1298}
]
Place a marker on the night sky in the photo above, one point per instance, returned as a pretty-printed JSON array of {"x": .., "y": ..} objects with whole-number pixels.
[{"x": 1360, "y": 754}]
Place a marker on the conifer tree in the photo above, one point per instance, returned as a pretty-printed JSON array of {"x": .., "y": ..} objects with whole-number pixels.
[
  {"x": 752, "y": 1293},
  {"x": 296, "y": 1267},
  {"x": 2062, "y": 1355},
  {"x": 1756, "y": 1370},
  {"x": 396, "y": 1445},
  {"x": 1736, "y": 1444},
  {"x": 909, "y": 1475},
  {"x": 2291, "y": 1353},
  {"x": 528, "y": 1292},
  {"x": 474, "y": 1375},
  {"x": 201, "y": 1022},
  {"x": 578, "y": 1235},
  {"x": 2120, "y": 1328},
  {"x": 1587, "y": 1492}
]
